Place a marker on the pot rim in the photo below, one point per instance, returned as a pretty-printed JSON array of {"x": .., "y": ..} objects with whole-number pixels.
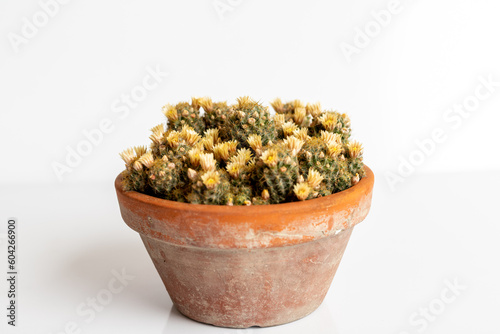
[
  {"x": 366, "y": 183},
  {"x": 263, "y": 226}
]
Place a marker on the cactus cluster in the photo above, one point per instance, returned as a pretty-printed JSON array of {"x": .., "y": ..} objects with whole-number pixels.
[{"x": 242, "y": 154}]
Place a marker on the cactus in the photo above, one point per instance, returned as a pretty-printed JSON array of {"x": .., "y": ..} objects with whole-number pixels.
[
  {"x": 247, "y": 118},
  {"x": 215, "y": 113},
  {"x": 135, "y": 176},
  {"x": 210, "y": 187},
  {"x": 334, "y": 122},
  {"x": 278, "y": 170},
  {"x": 243, "y": 155},
  {"x": 164, "y": 176},
  {"x": 183, "y": 114}
]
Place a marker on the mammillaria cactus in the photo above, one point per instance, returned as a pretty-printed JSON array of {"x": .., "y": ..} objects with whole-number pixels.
[{"x": 241, "y": 154}]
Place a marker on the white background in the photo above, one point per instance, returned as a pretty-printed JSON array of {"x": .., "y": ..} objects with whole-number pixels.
[{"x": 434, "y": 216}]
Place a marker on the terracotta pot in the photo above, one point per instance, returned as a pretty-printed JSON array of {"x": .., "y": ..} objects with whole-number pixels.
[{"x": 244, "y": 266}]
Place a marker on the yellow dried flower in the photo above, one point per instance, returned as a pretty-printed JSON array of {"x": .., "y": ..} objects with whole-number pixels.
[
  {"x": 277, "y": 105},
  {"x": 208, "y": 143},
  {"x": 330, "y": 138},
  {"x": 242, "y": 156},
  {"x": 302, "y": 191},
  {"x": 140, "y": 150},
  {"x": 328, "y": 120},
  {"x": 157, "y": 134},
  {"x": 173, "y": 138},
  {"x": 206, "y": 103},
  {"x": 171, "y": 112},
  {"x": 128, "y": 156},
  {"x": 207, "y": 161},
  {"x": 314, "y": 178},
  {"x": 234, "y": 169},
  {"x": 279, "y": 120},
  {"x": 299, "y": 115},
  {"x": 294, "y": 144},
  {"x": 137, "y": 166},
  {"x": 189, "y": 135},
  {"x": 355, "y": 149},
  {"x": 297, "y": 104},
  {"x": 232, "y": 146},
  {"x": 334, "y": 150},
  {"x": 194, "y": 156},
  {"x": 301, "y": 133},
  {"x": 270, "y": 157},
  {"x": 245, "y": 102},
  {"x": 214, "y": 133},
  {"x": 255, "y": 142},
  {"x": 313, "y": 109},
  {"x": 211, "y": 179},
  {"x": 196, "y": 102},
  {"x": 288, "y": 128},
  {"x": 221, "y": 151},
  {"x": 199, "y": 145},
  {"x": 147, "y": 159}
]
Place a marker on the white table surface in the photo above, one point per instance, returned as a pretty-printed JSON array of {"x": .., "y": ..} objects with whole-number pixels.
[{"x": 433, "y": 229}]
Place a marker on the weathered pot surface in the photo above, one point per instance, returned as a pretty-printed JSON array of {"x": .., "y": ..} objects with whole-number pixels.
[{"x": 246, "y": 266}]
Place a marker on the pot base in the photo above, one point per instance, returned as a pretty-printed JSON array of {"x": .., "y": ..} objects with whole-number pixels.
[
  {"x": 241, "y": 288},
  {"x": 244, "y": 266}
]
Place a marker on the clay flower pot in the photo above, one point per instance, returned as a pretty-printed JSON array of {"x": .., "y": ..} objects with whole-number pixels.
[{"x": 243, "y": 266}]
